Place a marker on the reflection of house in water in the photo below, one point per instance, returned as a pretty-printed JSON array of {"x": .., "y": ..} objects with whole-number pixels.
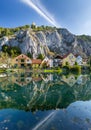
[
  {"x": 42, "y": 95},
  {"x": 70, "y": 80},
  {"x": 48, "y": 77},
  {"x": 36, "y": 77},
  {"x": 82, "y": 79},
  {"x": 21, "y": 80},
  {"x": 24, "y": 79}
]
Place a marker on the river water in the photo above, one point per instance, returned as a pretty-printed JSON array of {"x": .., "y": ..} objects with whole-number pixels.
[{"x": 45, "y": 102}]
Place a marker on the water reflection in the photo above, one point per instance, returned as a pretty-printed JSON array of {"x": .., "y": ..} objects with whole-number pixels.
[
  {"x": 44, "y": 91},
  {"x": 45, "y": 102}
]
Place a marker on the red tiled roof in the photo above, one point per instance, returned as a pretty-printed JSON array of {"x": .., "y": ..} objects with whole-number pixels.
[{"x": 36, "y": 61}]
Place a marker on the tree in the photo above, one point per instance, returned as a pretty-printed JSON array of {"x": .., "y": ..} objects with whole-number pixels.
[
  {"x": 76, "y": 63},
  {"x": 40, "y": 56},
  {"x": 29, "y": 55},
  {"x": 12, "y": 51},
  {"x": 15, "y": 51},
  {"x": 33, "y": 26},
  {"x": 67, "y": 63},
  {"x": 90, "y": 61}
]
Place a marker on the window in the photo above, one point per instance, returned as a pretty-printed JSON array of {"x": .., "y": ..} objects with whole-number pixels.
[
  {"x": 22, "y": 60},
  {"x": 71, "y": 57},
  {"x": 28, "y": 64}
]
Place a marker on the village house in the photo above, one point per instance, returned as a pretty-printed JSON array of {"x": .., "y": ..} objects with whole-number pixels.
[
  {"x": 48, "y": 62},
  {"x": 85, "y": 61},
  {"x": 79, "y": 60},
  {"x": 21, "y": 61},
  {"x": 69, "y": 59},
  {"x": 57, "y": 61},
  {"x": 36, "y": 63}
]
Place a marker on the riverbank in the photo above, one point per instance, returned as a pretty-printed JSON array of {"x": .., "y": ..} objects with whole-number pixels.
[{"x": 65, "y": 69}]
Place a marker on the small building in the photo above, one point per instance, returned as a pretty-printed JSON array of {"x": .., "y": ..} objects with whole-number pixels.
[
  {"x": 70, "y": 80},
  {"x": 69, "y": 59},
  {"x": 57, "y": 61},
  {"x": 48, "y": 62},
  {"x": 85, "y": 61},
  {"x": 79, "y": 60},
  {"x": 36, "y": 63},
  {"x": 22, "y": 61}
]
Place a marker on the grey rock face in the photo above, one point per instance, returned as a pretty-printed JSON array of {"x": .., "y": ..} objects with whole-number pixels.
[{"x": 59, "y": 41}]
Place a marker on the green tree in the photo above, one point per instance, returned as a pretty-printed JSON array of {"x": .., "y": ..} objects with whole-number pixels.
[
  {"x": 76, "y": 63},
  {"x": 15, "y": 51},
  {"x": 40, "y": 56},
  {"x": 29, "y": 55},
  {"x": 67, "y": 63}
]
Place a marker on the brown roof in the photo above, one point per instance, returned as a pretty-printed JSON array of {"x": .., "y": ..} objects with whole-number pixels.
[
  {"x": 37, "y": 79},
  {"x": 36, "y": 61}
]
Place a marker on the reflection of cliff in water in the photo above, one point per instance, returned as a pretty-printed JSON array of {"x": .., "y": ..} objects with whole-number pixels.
[{"x": 44, "y": 91}]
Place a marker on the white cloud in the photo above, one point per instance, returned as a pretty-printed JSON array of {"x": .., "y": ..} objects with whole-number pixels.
[{"x": 41, "y": 10}]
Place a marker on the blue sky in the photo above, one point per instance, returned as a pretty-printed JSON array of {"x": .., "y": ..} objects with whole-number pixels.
[{"x": 75, "y": 15}]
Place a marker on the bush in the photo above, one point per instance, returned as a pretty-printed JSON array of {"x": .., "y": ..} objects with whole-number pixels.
[
  {"x": 11, "y": 31},
  {"x": 12, "y": 51},
  {"x": 40, "y": 56},
  {"x": 75, "y": 69},
  {"x": 29, "y": 55}
]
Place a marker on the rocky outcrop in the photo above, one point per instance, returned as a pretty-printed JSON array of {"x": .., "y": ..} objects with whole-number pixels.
[{"x": 58, "y": 41}]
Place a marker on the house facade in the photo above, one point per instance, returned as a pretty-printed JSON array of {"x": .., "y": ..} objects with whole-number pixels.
[
  {"x": 48, "y": 62},
  {"x": 57, "y": 61},
  {"x": 69, "y": 59},
  {"x": 79, "y": 60},
  {"x": 22, "y": 61}
]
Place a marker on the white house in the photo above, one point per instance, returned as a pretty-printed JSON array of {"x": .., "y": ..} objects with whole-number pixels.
[
  {"x": 79, "y": 60},
  {"x": 49, "y": 62}
]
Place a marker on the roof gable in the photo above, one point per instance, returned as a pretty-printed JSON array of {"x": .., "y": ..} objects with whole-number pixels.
[{"x": 22, "y": 56}]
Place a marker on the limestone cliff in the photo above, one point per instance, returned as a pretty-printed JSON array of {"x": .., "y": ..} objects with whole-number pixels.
[{"x": 58, "y": 41}]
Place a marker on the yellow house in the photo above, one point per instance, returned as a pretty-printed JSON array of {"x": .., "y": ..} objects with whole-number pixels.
[
  {"x": 69, "y": 59},
  {"x": 70, "y": 80},
  {"x": 21, "y": 61}
]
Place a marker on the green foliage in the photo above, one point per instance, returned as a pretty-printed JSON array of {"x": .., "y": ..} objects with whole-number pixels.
[
  {"x": 43, "y": 28},
  {"x": 85, "y": 38},
  {"x": 75, "y": 69},
  {"x": 76, "y": 63},
  {"x": 33, "y": 26},
  {"x": 90, "y": 61},
  {"x": 67, "y": 63},
  {"x": 12, "y": 51},
  {"x": 29, "y": 55},
  {"x": 11, "y": 31},
  {"x": 40, "y": 56},
  {"x": 44, "y": 65}
]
